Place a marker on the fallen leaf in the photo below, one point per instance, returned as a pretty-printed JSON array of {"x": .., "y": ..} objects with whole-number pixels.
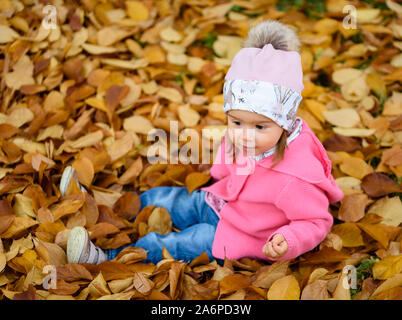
[
  {"x": 350, "y": 234},
  {"x": 387, "y": 268},
  {"x": 285, "y": 288},
  {"x": 195, "y": 180},
  {"x": 378, "y": 184},
  {"x": 317, "y": 290},
  {"x": 389, "y": 209},
  {"x": 233, "y": 282},
  {"x": 352, "y": 207}
]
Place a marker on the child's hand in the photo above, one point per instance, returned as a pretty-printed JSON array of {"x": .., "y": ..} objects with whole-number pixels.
[{"x": 276, "y": 247}]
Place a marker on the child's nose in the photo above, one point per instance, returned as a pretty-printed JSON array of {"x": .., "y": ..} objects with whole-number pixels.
[{"x": 248, "y": 133}]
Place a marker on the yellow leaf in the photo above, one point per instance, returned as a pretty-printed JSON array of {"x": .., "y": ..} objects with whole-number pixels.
[
  {"x": 195, "y": 180},
  {"x": 388, "y": 267},
  {"x": 286, "y": 288},
  {"x": 356, "y": 167},
  {"x": 377, "y": 232},
  {"x": 28, "y": 260},
  {"x": 137, "y": 11},
  {"x": 154, "y": 54},
  {"x": 52, "y": 253},
  {"x": 350, "y": 234},
  {"x": 98, "y": 287},
  {"x": 377, "y": 84},
  {"x": 388, "y": 208},
  {"x": 317, "y": 274},
  {"x": 395, "y": 281},
  {"x": 316, "y": 108},
  {"x": 19, "y": 224},
  {"x": 3, "y": 261},
  {"x": 96, "y": 103}
]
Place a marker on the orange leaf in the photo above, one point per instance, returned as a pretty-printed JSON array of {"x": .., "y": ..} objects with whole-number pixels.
[
  {"x": 233, "y": 283},
  {"x": 195, "y": 180}
]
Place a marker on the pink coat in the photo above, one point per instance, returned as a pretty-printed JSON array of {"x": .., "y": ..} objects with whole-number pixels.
[{"x": 291, "y": 199}]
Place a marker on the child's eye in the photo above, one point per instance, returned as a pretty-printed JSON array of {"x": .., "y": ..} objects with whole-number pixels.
[
  {"x": 260, "y": 126},
  {"x": 236, "y": 122}
]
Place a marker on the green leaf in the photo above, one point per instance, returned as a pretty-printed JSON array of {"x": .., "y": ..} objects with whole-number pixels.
[
  {"x": 179, "y": 80},
  {"x": 376, "y": 4},
  {"x": 237, "y": 8},
  {"x": 199, "y": 90},
  {"x": 210, "y": 38}
]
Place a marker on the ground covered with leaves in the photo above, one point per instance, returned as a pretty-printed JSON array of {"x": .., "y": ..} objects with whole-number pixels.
[{"x": 87, "y": 92}]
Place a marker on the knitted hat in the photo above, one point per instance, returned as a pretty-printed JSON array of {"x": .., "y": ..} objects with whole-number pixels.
[{"x": 266, "y": 75}]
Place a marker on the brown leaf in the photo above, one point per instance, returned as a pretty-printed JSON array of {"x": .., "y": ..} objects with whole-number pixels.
[
  {"x": 6, "y": 215},
  {"x": 114, "y": 242},
  {"x": 267, "y": 275},
  {"x": 378, "y": 185},
  {"x": 106, "y": 214},
  {"x": 113, "y": 97},
  {"x": 325, "y": 255},
  {"x": 128, "y": 206},
  {"x": 73, "y": 69},
  {"x": 102, "y": 229},
  {"x": 176, "y": 275},
  {"x": 64, "y": 288},
  {"x": 66, "y": 207},
  {"x": 380, "y": 232},
  {"x": 208, "y": 290},
  {"x": 352, "y": 207},
  {"x": 195, "y": 180},
  {"x": 160, "y": 221},
  {"x": 7, "y": 130},
  {"x": 73, "y": 272},
  {"x": 317, "y": 290},
  {"x": 113, "y": 270},
  {"x": 81, "y": 93},
  {"x": 90, "y": 210},
  {"x": 29, "y": 294},
  {"x": 131, "y": 255},
  {"x": 79, "y": 126},
  {"x": 233, "y": 283},
  {"x": 51, "y": 253},
  {"x": 142, "y": 284},
  {"x": 18, "y": 226},
  {"x": 201, "y": 259},
  {"x": 338, "y": 142},
  {"x": 132, "y": 172}
]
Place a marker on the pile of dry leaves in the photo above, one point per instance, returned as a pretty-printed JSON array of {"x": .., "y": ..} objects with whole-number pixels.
[{"x": 83, "y": 85}]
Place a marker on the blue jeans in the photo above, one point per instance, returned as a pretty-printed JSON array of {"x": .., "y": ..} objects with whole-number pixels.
[{"x": 189, "y": 213}]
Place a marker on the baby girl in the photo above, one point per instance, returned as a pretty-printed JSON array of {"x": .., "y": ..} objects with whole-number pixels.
[{"x": 271, "y": 202}]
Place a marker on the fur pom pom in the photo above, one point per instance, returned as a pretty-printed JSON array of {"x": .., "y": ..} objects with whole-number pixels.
[{"x": 282, "y": 37}]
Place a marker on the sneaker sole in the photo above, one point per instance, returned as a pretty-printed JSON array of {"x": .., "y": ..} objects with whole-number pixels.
[{"x": 75, "y": 244}]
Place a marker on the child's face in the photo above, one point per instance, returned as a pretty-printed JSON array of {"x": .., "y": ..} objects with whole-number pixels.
[{"x": 262, "y": 133}]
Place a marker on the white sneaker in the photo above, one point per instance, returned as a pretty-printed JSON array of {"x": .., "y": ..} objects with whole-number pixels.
[
  {"x": 80, "y": 248},
  {"x": 69, "y": 173}
]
